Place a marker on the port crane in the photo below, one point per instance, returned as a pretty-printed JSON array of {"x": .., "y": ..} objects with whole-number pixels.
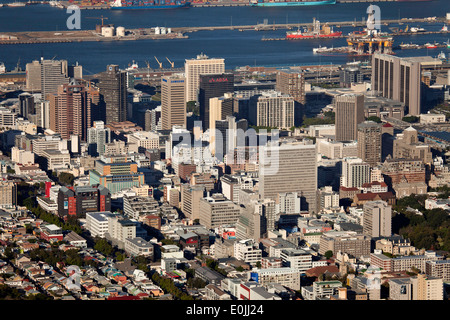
[
  {"x": 160, "y": 63},
  {"x": 171, "y": 63},
  {"x": 101, "y": 17}
]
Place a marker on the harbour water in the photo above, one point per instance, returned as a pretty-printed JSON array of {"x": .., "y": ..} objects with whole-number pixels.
[{"x": 238, "y": 48}]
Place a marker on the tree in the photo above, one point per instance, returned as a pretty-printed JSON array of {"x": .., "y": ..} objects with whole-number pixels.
[
  {"x": 328, "y": 254},
  {"x": 374, "y": 119},
  {"x": 410, "y": 119},
  {"x": 66, "y": 178}
]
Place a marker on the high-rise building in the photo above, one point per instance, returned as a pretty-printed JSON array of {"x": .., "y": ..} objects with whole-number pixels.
[
  {"x": 377, "y": 219},
  {"x": 113, "y": 89},
  {"x": 216, "y": 211},
  {"x": 369, "y": 142},
  {"x": 190, "y": 200},
  {"x": 70, "y": 110},
  {"x": 98, "y": 136},
  {"x": 400, "y": 78},
  {"x": 349, "y": 110},
  {"x": 193, "y": 68},
  {"x": 46, "y": 76},
  {"x": 427, "y": 288},
  {"x": 173, "y": 101},
  {"x": 77, "y": 201},
  {"x": 219, "y": 108},
  {"x": 272, "y": 109},
  {"x": 153, "y": 119},
  {"x": 355, "y": 172},
  {"x": 212, "y": 86},
  {"x": 8, "y": 194},
  {"x": 256, "y": 219},
  {"x": 26, "y": 103},
  {"x": 292, "y": 82},
  {"x": 289, "y": 167}
]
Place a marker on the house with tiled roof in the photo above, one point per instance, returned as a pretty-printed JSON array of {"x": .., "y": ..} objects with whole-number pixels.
[{"x": 361, "y": 198}]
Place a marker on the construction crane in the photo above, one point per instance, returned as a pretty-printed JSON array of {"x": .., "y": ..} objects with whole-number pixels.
[
  {"x": 101, "y": 17},
  {"x": 160, "y": 64},
  {"x": 171, "y": 63}
]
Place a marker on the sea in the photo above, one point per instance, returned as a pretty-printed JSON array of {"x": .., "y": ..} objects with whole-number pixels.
[{"x": 244, "y": 48}]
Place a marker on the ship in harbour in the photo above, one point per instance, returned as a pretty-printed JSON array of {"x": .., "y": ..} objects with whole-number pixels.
[
  {"x": 286, "y": 3},
  {"x": 316, "y": 32},
  {"x": 149, "y": 4}
]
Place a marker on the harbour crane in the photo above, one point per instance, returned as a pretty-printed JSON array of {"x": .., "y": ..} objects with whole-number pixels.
[
  {"x": 171, "y": 63},
  {"x": 160, "y": 64},
  {"x": 101, "y": 17}
]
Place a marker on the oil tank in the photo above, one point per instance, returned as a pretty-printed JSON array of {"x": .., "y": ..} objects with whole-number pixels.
[
  {"x": 120, "y": 31},
  {"x": 108, "y": 32},
  {"x": 157, "y": 30}
]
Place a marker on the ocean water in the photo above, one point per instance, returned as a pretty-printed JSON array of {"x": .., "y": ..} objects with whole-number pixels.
[{"x": 238, "y": 48}]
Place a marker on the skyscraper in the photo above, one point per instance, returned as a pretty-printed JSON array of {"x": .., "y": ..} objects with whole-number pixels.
[
  {"x": 349, "y": 109},
  {"x": 113, "y": 88},
  {"x": 369, "y": 142},
  {"x": 400, "y": 78},
  {"x": 193, "y": 68},
  {"x": 173, "y": 101},
  {"x": 292, "y": 82},
  {"x": 70, "y": 110},
  {"x": 272, "y": 109},
  {"x": 97, "y": 137},
  {"x": 377, "y": 219},
  {"x": 53, "y": 74},
  {"x": 355, "y": 173},
  {"x": 211, "y": 86},
  {"x": 293, "y": 170}
]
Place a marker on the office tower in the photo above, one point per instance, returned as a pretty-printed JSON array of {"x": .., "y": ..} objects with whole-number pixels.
[
  {"x": 33, "y": 77},
  {"x": 349, "y": 109},
  {"x": 289, "y": 167},
  {"x": 272, "y": 109},
  {"x": 26, "y": 105},
  {"x": 79, "y": 200},
  {"x": 75, "y": 71},
  {"x": 42, "y": 108},
  {"x": 53, "y": 74},
  {"x": 116, "y": 173},
  {"x": 219, "y": 108},
  {"x": 211, "y": 86},
  {"x": 256, "y": 219},
  {"x": 377, "y": 219},
  {"x": 190, "y": 200},
  {"x": 97, "y": 137},
  {"x": 193, "y": 68},
  {"x": 113, "y": 89},
  {"x": 153, "y": 119},
  {"x": 292, "y": 82},
  {"x": 369, "y": 142},
  {"x": 355, "y": 172},
  {"x": 216, "y": 211},
  {"x": 349, "y": 75},
  {"x": 400, "y": 78},
  {"x": 173, "y": 101},
  {"x": 70, "y": 110}
]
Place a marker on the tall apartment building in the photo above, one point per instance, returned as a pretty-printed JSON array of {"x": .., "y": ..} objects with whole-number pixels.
[
  {"x": 292, "y": 82},
  {"x": 349, "y": 110},
  {"x": 97, "y": 223},
  {"x": 78, "y": 201},
  {"x": 438, "y": 269},
  {"x": 369, "y": 142},
  {"x": 97, "y": 137},
  {"x": 8, "y": 194},
  {"x": 173, "y": 101},
  {"x": 377, "y": 219},
  {"x": 213, "y": 86},
  {"x": 193, "y": 68},
  {"x": 272, "y": 109},
  {"x": 70, "y": 110},
  {"x": 400, "y": 78},
  {"x": 289, "y": 167},
  {"x": 355, "y": 172},
  {"x": 216, "y": 211},
  {"x": 113, "y": 89},
  {"x": 427, "y": 288}
]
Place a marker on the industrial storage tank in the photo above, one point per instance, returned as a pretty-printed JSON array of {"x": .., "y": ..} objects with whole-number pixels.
[
  {"x": 169, "y": 30},
  {"x": 108, "y": 32},
  {"x": 157, "y": 30},
  {"x": 163, "y": 30},
  {"x": 120, "y": 31}
]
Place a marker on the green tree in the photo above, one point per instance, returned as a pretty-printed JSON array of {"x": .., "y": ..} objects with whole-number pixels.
[
  {"x": 328, "y": 254},
  {"x": 374, "y": 119}
]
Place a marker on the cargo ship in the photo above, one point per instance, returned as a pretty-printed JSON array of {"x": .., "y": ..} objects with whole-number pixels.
[
  {"x": 286, "y": 3},
  {"x": 149, "y": 4},
  {"x": 316, "y": 32}
]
